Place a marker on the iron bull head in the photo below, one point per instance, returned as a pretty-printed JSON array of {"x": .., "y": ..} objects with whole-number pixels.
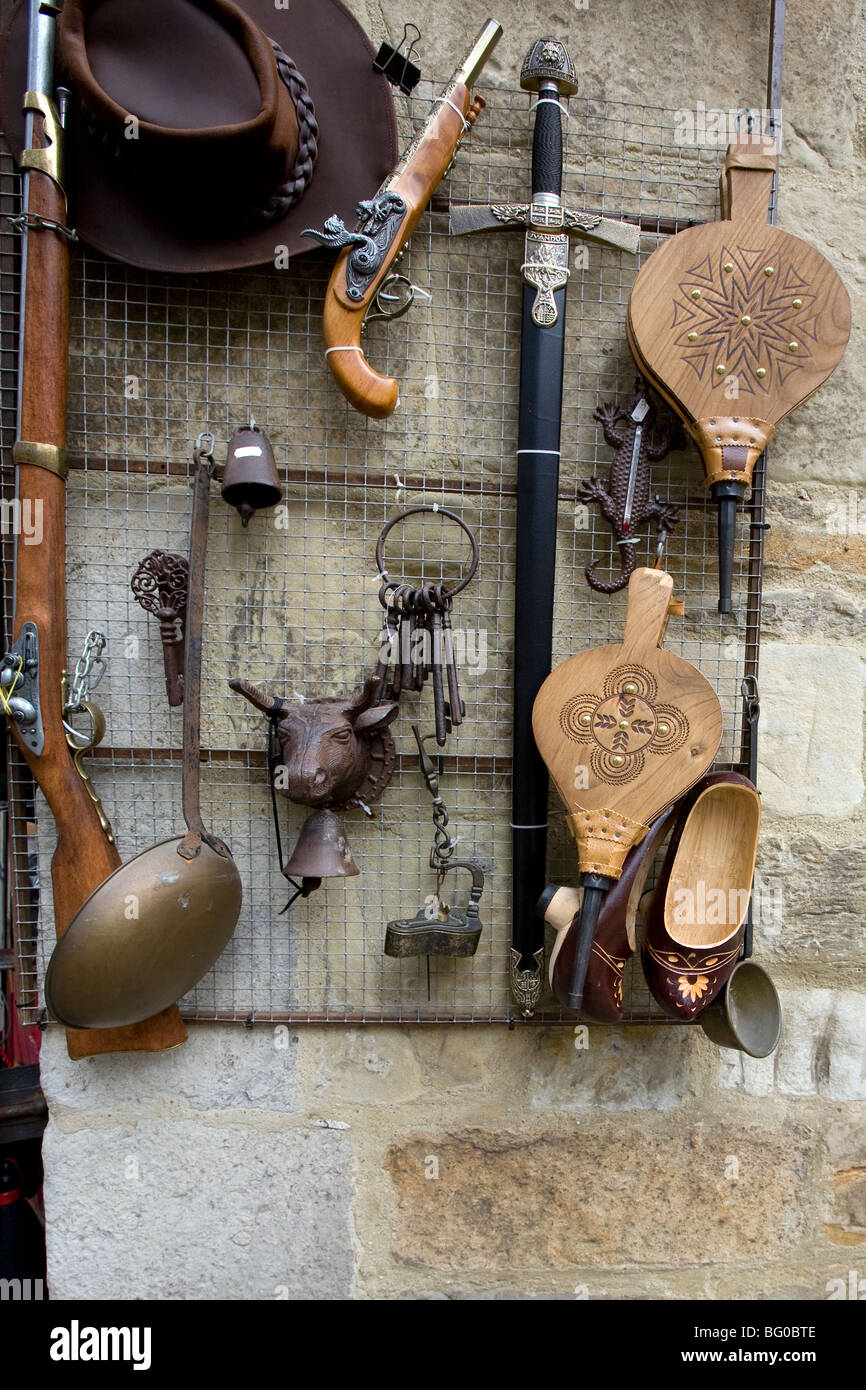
[{"x": 334, "y": 751}]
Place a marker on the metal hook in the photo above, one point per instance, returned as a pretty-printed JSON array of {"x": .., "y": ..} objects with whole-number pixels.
[
  {"x": 660, "y": 544},
  {"x": 428, "y": 767},
  {"x": 440, "y": 511},
  {"x": 751, "y": 696},
  {"x": 33, "y": 221},
  {"x": 411, "y": 49}
]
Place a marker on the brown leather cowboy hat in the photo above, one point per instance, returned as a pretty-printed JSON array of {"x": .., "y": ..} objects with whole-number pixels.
[{"x": 206, "y": 134}]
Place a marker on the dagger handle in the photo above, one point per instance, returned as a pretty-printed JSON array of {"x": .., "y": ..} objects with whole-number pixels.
[{"x": 547, "y": 142}]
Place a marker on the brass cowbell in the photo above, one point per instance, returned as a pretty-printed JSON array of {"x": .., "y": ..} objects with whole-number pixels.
[
  {"x": 322, "y": 851},
  {"x": 250, "y": 481}
]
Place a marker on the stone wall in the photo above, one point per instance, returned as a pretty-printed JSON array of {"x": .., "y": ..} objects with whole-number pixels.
[{"x": 458, "y": 1162}]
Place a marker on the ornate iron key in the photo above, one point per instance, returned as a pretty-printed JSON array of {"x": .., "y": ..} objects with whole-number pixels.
[{"x": 160, "y": 585}]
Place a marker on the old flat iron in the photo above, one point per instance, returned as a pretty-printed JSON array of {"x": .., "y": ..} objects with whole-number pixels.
[{"x": 437, "y": 929}]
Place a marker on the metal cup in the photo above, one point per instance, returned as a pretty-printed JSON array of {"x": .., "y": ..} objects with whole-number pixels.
[{"x": 747, "y": 1015}]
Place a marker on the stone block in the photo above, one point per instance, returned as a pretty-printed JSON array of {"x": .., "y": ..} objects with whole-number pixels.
[
  {"x": 810, "y": 900},
  {"x": 846, "y": 1223},
  {"x": 155, "y": 1209},
  {"x": 822, "y": 1051},
  {"x": 609, "y": 1193},
  {"x": 787, "y": 613},
  {"x": 366, "y": 1066},
  {"x": 617, "y": 1069},
  {"x": 811, "y": 746},
  {"x": 217, "y": 1068}
]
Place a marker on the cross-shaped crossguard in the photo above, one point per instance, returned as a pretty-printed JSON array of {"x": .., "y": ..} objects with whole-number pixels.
[{"x": 547, "y": 220}]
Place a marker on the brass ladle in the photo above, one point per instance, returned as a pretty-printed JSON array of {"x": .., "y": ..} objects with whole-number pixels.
[{"x": 156, "y": 925}]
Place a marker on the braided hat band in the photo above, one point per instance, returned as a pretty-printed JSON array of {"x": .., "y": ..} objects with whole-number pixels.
[{"x": 308, "y": 140}]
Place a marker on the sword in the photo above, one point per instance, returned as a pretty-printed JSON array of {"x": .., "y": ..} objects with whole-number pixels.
[{"x": 549, "y": 72}]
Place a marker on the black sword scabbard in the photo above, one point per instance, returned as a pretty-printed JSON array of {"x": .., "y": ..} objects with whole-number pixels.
[
  {"x": 547, "y": 71},
  {"x": 541, "y": 366}
]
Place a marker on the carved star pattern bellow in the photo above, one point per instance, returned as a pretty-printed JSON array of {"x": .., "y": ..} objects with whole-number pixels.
[
  {"x": 745, "y": 319},
  {"x": 624, "y": 724}
]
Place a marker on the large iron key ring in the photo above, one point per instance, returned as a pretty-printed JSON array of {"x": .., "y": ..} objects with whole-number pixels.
[{"x": 434, "y": 511}]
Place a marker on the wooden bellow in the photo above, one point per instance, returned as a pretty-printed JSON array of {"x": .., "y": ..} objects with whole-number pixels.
[
  {"x": 624, "y": 731},
  {"x": 737, "y": 323}
]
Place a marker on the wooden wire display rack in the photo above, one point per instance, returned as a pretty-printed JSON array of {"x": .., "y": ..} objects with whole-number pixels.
[{"x": 292, "y": 601}]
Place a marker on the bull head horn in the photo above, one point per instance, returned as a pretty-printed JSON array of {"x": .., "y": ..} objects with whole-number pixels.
[
  {"x": 255, "y": 696},
  {"x": 364, "y": 713},
  {"x": 365, "y": 697}
]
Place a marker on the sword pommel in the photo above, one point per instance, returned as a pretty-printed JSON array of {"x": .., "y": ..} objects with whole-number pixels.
[{"x": 548, "y": 61}]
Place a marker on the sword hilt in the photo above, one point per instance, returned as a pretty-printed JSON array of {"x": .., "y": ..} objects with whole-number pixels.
[
  {"x": 547, "y": 144},
  {"x": 548, "y": 70}
]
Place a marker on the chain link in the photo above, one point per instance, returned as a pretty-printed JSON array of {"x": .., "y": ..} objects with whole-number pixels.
[
  {"x": 443, "y": 842},
  {"x": 89, "y": 670}
]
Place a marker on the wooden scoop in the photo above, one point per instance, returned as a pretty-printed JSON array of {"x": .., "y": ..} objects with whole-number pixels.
[
  {"x": 737, "y": 323},
  {"x": 624, "y": 731}
]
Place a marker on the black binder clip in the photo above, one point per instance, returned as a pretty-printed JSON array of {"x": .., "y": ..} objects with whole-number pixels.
[{"x": 397, "y": 65}]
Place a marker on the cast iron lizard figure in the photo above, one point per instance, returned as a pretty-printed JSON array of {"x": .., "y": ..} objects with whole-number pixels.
[{"x": 625, "y": 497}]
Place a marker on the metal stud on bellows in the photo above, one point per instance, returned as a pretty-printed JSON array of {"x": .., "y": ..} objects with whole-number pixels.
[
  {"x": 250, "y": 481},
  {"x": 548, "y": 61}
]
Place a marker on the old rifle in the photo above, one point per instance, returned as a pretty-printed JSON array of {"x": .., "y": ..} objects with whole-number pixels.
[
  {"x": 32, "y": 675},
  {"x": 386, "y": 222},
  {"x": 547, "y": 71}
]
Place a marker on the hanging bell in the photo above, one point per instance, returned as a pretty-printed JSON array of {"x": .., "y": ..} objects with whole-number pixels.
[
  {"x": 250, "y": 481},
  {"x": 322, "y": 851}
]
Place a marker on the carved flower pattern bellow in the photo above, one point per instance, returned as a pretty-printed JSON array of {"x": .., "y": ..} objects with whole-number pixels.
[
  {"x": 750, "y": 312},
  {"x": 624, "y": 724}
]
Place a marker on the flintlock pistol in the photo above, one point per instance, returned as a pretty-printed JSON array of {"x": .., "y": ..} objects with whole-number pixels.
[{"x": 386, "y": 222}]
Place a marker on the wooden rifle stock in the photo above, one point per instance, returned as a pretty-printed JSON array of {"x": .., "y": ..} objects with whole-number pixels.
[{"x": 84, "y": 856}]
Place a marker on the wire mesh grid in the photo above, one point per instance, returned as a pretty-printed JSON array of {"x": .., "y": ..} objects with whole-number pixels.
[{"x": 292, "y": 600}]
